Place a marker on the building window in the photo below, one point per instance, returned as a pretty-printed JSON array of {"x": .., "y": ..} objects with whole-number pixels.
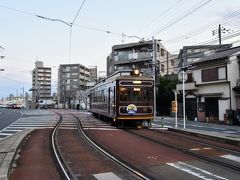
[
  {"x": 189, "y": 77},
  {"x": 162, "y": 52},
  {"x": 213, "y": 74},
  {"x": 68, "y": 75},
  {"x": 221, "y": 73},
  {"x": 74, "y": 74},
  {"x": 162, "y": 67}
]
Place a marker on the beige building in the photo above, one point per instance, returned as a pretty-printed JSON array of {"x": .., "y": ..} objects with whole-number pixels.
[{"x": 41, "y": 82}]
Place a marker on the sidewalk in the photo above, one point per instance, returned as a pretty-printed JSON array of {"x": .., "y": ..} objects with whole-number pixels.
[
  {"x": 222, "y": 132},
  {"x": 8, "y": 148}
]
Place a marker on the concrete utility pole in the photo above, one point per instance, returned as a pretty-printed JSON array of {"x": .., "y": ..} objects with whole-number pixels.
[
  {"x": 219, "y": 31},
  {"x": 154, "y": 72}
]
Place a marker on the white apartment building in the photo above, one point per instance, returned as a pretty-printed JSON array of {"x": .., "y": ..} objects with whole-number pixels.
[{"x": 41, "y": 82}]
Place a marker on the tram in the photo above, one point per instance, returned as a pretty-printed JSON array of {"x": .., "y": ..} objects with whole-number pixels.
[{"x": 124, "y": 98}]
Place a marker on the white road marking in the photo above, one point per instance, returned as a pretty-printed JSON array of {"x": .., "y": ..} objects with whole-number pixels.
[
  {"x": 195, "y": 171},
  {"x": 229, "y": 132},
  {"x": 101, "y": 128},
  {"x": 198, "y": 149},
  {"x": 195, "y": 149},
  {"x": 232, "y": 157},
  {"x": 106, "y": 176},
  {"x": 5, "y": 134}
]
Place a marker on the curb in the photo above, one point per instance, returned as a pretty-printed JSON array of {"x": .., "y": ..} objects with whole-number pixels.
[
  {"x": 8, "y": 148},
  {"x": 208, "y": 136}
]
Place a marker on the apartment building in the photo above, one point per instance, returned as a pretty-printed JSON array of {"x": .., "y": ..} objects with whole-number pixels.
[
  {"x": 212, "y": 88},
  {"x": 141, "y": 54},
  {"x": 41, "y": 82},
  {"x": 72, "y": 79}
]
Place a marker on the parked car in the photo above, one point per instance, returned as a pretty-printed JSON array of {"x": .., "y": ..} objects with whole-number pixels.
[{"x": 3, "y": 106}]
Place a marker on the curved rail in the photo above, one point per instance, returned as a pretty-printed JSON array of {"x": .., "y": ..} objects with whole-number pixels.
[
  {"x": 209, "y": 159},
  {"x": 190, "y": 139},
  {"x": 137, "y": 173},
  {"x": 66, "y": 171}
]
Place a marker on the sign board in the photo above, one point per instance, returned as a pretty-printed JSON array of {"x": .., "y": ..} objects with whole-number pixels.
[
  {"x": 174, "y": 106},
  {"x": 182, "y": 76}
]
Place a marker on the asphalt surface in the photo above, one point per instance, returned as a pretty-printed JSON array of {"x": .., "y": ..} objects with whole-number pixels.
[
  {"x": 44, "y": 119},
  {"x": 8, "y": 116}
]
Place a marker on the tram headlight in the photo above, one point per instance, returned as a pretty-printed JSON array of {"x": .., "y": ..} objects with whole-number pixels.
[{"x": 135, "y": 72}]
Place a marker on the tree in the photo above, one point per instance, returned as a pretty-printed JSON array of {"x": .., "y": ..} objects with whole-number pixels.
[{"x": 165, "y": 95}]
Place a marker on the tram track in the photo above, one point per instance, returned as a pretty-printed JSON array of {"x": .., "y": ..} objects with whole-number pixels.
[
  {"x": 202, "y": 141},
  {"x": 212, "y": 159},
  {"x": 63, "y": 163},
  {"x": 66, "y": 170},
  {"x": 115, "y": 159}
]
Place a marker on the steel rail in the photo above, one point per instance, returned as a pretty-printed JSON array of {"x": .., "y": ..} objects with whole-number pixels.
[
  {"x": 212, "y": 160},
  {"x": 66, "y": 171},
  {"x": 134, "y": 171},
  {"x": 201, "y": 143}
]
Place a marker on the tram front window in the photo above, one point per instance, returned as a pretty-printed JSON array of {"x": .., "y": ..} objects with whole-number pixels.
[{"x": 136, "y": 94}]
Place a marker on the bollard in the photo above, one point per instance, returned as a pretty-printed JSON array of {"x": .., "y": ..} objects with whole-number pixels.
[{"x": 162, "y": 122}]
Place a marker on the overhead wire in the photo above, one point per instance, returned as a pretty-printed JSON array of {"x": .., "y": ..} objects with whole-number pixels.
[
  {"x": 206, "y": 27},
  {"x": 162, "y": 14},
  {"x": 67, "y": 23},
  {"x": 78, "y": 12},
  {"x": 180, "y": 18},
  {"x": 71, "y": 24}
]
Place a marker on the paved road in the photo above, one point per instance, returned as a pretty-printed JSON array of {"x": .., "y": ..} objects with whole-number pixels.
[
  {"x": 8, "y": 116},
  {"x": 16, "y": 120}
]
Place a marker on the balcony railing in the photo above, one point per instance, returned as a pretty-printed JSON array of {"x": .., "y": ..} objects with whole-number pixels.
[{"x": 188, "y": 86}]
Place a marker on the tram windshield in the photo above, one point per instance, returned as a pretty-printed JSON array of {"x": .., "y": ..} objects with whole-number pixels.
[{"x": 136, "y": 94}]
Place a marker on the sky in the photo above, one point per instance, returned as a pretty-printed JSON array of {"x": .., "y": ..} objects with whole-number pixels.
[{"x": 100, "y": 24}]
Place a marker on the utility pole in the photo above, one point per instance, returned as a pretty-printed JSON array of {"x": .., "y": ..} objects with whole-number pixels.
[
  {"x": 2, "y": 57},
  {"x": 23, "y": 97},
  {"x": 154, "y": 72},
  {"x": 219, "y": 31}
]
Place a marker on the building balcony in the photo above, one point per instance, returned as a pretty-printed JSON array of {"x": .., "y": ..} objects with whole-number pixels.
[
  {"x": 237, "y": 87},
  {"x": 189, "y": 86}
]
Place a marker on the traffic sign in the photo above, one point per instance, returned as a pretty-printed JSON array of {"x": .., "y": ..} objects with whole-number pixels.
[{"x": 182, "y": 76}]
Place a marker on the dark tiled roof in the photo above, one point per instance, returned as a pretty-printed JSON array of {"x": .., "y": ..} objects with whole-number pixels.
[
  {"x": 209, "y": 46},
  {"x": 142, "y": 43},
  {"x": 219, "y": 55}
]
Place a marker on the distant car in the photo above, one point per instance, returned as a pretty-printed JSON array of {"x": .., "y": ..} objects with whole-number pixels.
[
  {"x": 14, "y": 106},
  {"x": 3, "y": 106}
]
